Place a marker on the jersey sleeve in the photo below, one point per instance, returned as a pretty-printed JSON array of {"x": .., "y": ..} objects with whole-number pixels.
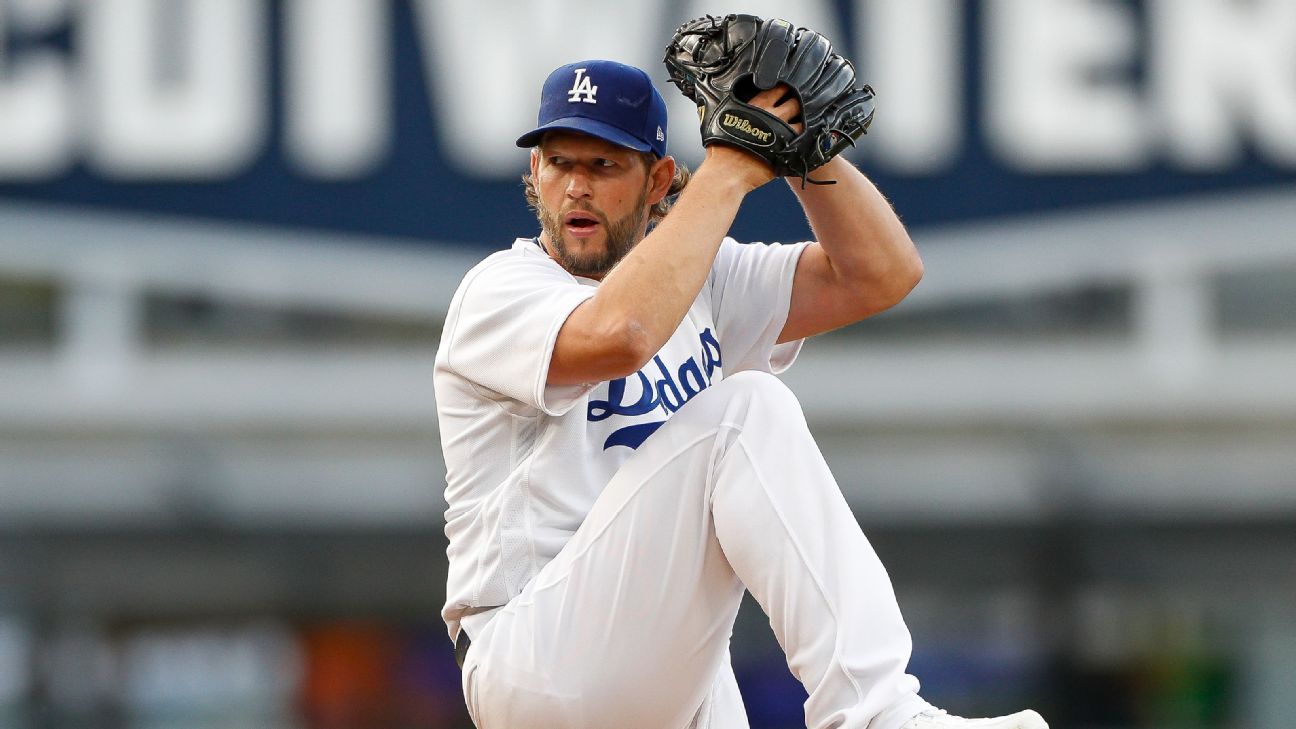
[
  {"x": 502, "y": 326},
  {"x": 751, "y": 294}
]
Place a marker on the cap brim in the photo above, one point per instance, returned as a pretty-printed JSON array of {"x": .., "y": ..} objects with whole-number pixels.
[{"x": 584, "y": 125}]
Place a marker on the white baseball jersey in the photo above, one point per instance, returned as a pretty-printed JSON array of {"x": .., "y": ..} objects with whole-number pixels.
[{"x": 525, "y": 461}]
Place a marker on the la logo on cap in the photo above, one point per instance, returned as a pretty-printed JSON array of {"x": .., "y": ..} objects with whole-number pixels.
[{"x": 582, "y": 89}]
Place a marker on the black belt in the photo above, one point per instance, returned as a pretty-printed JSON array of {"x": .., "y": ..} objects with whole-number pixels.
[{"x": 461, "y": 646}]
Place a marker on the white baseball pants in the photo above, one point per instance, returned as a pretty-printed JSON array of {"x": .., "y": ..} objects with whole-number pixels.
[{"x": 629, "y": 625}]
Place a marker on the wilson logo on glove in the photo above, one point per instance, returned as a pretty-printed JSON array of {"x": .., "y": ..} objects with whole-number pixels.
[{"x": 751, "y": 128}]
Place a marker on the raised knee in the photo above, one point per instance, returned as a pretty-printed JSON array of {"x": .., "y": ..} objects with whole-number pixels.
[
  {"x": 750, "y": 394},
  {"x": 761, "y": 385},
  {"x": 740, "y": 397}
]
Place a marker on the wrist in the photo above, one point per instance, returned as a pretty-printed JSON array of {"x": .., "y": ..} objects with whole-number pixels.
[
  {"x": 720, "y": 181},
  {"x": 837, "y": 169},
  {"x": 736, "y": 168}
]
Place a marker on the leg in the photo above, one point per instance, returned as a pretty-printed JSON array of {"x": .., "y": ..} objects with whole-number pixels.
[
  {"x": 792, "y": 539},
  {"x": 629, "y": 624},
  {"x": 723, "y": 707}
]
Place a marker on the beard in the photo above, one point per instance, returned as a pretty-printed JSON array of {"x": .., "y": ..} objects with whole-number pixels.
[{"x": 622, "y": 236}]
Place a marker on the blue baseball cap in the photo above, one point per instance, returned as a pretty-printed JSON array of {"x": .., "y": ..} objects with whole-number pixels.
[{"x": 605, "y": 99}]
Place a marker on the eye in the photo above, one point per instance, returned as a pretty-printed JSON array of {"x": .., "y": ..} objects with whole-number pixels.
[
  {"x": 557, "y": 160},
  {"x": 601, "y": 162}
]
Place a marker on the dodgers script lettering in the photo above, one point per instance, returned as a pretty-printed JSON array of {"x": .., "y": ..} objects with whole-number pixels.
[{"x": 660, "y": 387}]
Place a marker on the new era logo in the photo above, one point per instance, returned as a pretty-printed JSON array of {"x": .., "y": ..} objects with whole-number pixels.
[
  {"x": 661, "y": 136},
  {"x": 582, "y": 89}
]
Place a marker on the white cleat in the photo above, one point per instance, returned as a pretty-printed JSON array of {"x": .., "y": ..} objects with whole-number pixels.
[{"x": 938, "y": 719}]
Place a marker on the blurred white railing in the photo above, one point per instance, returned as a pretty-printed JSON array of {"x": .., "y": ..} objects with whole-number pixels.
[
  {"x": 330, "y": 432},
  {"x": 1176, "y": 362}
]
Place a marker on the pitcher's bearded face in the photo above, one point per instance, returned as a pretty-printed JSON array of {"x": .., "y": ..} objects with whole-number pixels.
[
  {"x": 592, "y": 201},
  {"x": 591, "y": 255}
]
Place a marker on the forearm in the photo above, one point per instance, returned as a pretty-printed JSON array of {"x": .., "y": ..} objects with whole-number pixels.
[
  {"x": 859, "y": 231},
  {"x": 656, "y": 283}
]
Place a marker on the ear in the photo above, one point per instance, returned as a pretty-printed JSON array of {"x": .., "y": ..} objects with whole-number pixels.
[
  {"x": 660, "y": 176},
  {"x": 535, "y": 161}
]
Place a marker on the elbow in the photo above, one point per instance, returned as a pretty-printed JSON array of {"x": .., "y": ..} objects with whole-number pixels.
[
  {"x": 902, "y": 279},
  {"x": 627, "y": 348},
  {"x": 888, "y": 287},
  {"x": 598, "y": 349},
  {"x": 913, "y": 273}
]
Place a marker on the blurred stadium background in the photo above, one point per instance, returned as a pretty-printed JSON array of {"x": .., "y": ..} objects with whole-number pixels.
[{"x": 229, "y": 230}]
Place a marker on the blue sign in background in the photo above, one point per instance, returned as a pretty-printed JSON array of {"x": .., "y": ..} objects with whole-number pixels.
[{"x": 417, "y": 193}]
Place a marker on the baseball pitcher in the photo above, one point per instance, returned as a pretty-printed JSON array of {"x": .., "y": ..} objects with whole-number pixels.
[{"x": 622, "y": 462}]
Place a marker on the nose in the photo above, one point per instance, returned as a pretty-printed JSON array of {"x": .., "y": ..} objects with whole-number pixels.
[{"x": 578, "y": 183}]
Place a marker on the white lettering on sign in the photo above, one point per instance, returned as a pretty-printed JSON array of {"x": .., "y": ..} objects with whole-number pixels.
[
  {"x": 184, "y": 99},
  {"x": 1059, "y": 95},
  {"x": 177, "y": 89},
  {"x": 337, "y": 60},
  {"x": 913, "y": 53},
  {"x": 484, "y": 87},
  {"x": 35, "y": 96},
  {"x": 818, "y": 14},
  {"x": 1218, "y": 67}
]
